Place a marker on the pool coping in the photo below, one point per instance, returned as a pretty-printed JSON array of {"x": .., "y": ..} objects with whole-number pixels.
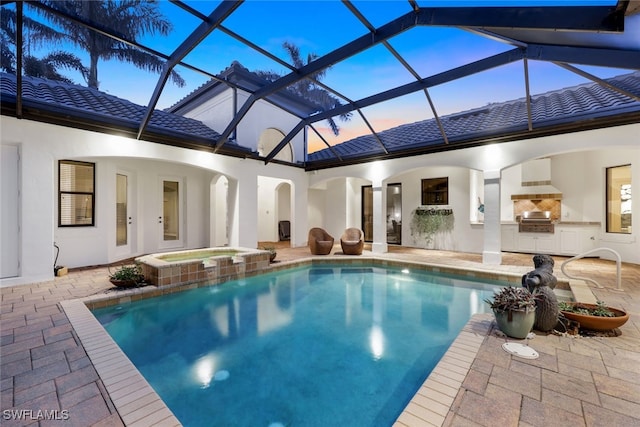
[
  {"x": 139, "y": 405},
  {"x": 136, "y": 401}
]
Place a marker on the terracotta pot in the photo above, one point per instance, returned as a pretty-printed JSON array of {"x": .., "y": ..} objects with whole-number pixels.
[
  {"x": 124, "y": 283},
  {"x": 516, "y": 324},
  {"x": 598, "y": 323}
]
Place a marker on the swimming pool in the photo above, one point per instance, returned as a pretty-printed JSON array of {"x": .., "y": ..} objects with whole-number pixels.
[{"x": 319, "y": 345}]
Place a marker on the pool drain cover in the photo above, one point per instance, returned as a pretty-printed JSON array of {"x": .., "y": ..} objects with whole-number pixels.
[{"x": 520, "y": 350}]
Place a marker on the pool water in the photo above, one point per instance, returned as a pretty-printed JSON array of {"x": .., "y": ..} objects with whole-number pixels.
[{"x": 310, "y": 346}]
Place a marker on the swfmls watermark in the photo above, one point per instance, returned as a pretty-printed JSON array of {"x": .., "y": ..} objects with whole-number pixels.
[{"x": 35, "y": 415}]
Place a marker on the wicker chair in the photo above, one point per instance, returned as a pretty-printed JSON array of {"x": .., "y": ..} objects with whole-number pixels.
[
  {"x": 352, "y": 241},
  {"x": 320, "y": 242}
]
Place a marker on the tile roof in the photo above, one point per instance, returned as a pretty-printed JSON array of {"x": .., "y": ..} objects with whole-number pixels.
[
  {"x": 100, "y": 107},
  {"x": 586, "y": 101}
]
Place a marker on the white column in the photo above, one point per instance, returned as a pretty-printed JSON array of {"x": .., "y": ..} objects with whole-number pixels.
[
  {"x": 243, "y": 212},
  {"x": 300, "y": 215},
  {"x": 379, "y": 244},
  {"x": 492, "y": 253}
]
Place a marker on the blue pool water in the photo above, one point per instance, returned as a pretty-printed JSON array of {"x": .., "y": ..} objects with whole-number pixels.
[{"x": 310, "y": 346}]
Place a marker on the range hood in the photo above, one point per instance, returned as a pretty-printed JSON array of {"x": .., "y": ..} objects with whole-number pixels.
[{"x": 536, "y": 181}]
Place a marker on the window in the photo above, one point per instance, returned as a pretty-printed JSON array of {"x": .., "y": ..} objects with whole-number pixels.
[
  {"x": 619, "y": 199},
  {"x": 435, "y": 191},
  {"x": 76, "y": 193}
]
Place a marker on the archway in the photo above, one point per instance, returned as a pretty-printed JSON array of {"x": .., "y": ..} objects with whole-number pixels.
[{"x": 269, "y": 139}]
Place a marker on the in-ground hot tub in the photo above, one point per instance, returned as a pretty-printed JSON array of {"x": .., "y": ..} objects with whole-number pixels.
[{"x": 211, "y": 265}]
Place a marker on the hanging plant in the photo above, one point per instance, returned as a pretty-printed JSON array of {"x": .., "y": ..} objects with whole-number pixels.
[{"x": 426, "y": 222}]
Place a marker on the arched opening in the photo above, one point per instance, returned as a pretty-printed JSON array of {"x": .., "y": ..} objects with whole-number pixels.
[
  {"x": 269, "y": 139},
  {"x": 274, "y": 205}
]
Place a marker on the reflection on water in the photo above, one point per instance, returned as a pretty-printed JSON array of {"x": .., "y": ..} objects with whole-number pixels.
[
  {"x": 226, "y": 314},
  {"x": 296, "y": 342}
]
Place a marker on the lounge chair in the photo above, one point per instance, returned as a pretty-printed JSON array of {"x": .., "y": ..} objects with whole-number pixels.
[
  {"x": 352, "y": 241},
  {"x": 320, "y": 242}
]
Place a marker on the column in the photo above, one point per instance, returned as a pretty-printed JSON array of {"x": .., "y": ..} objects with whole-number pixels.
[
  {"x": 379, "y": 244},
  {"x": 492, "y": 253},
  {"x": 243, "y": 212}
]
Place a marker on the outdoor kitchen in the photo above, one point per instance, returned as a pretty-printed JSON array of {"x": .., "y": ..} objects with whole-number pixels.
[{"x": 538, "y": 225}]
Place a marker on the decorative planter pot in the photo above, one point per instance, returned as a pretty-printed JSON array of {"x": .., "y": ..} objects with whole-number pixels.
[
  {"x": 597, "y": 323},
  {"x": 516, "y": 324},
  {"x": 124, "y": 283}
]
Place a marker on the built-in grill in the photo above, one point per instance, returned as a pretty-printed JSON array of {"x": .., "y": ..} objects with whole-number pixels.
[{"x": 535, "y": 222}]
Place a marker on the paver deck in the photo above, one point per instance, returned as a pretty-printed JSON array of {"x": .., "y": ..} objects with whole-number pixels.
[{"x": 576, "y": 381}]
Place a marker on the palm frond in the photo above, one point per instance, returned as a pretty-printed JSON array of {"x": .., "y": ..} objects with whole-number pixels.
[
  {"x": 131, "y": 19},
  {"x": 146, "y": 61}
]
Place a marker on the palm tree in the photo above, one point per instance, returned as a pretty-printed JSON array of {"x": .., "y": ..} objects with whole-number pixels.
[
  {"x": 37, "y": 33},
  {"x": 48, "y": 66},
  {"x": 306, "y": 88},
  {"x": 129, "y": 18}
]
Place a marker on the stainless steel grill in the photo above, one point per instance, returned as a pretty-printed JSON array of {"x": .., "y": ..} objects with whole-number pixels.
[{"x": 536, "y": 222}]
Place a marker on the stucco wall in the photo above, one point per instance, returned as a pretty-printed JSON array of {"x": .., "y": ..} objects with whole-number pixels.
[
  {"x": 578, "y": 163},
  {"x": 218, "y": 112},
  {"x": 327, "y": 198},
  {"x": 42, "y": 145}
]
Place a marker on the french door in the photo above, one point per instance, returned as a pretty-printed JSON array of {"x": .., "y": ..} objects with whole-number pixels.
[
  {"x": 394, "y": 213},
  {"x": 124, "y": 215},
  {"x": 170, "y": 218}
]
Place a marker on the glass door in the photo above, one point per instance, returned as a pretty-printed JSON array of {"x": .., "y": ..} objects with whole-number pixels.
[
  {"x": 171, "y": 214},
  {"x": 367, "y": 212},
  {"x": 123, "y": 220},
  {"x": 394, "y": 214}
]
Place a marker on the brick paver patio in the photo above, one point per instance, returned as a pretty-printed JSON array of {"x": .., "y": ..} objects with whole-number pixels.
[{"x": 576, "y": 381}]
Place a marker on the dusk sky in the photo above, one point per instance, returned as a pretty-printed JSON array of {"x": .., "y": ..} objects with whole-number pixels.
[{"x": 322, "y": 26}]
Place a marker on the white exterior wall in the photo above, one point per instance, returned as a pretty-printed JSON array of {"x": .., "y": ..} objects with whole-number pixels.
[
  {"x": 579, "y": 158},
  {"x": 42, "y": 145},
  {"x": 218, "y": 112},
  {"x": 327, "y": 198},
  {"x": 464, "y": 237},
  {"x": 316, "y": 208},
  {"x": 335, "y": 207},
  {"x": 354, "y": 202},
  {"x": 266, "y": 209}
]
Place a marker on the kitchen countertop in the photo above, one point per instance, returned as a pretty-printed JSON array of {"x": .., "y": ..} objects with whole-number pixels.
[
  {"x": 578, "y": 223},
  {"x": 598, "y": 223}
]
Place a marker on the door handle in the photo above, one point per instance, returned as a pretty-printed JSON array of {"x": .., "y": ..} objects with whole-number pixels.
[{"x": 159, "y": 220}]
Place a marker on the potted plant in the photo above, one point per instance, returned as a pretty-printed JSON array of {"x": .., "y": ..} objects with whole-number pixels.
[
  {"x": 515, "y": 310},
  {"x": 126, "y": 276},
  {"x": 595, "y": 317},
  {"x": 272, "y": 252}
]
